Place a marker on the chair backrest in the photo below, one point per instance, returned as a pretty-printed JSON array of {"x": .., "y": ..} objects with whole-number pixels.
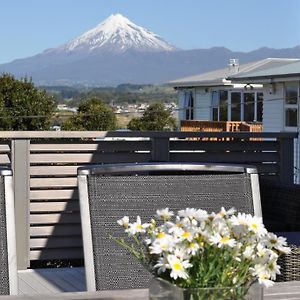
[
  {"x": 109, "y": 192},
  {"x": 8, "y": 257}
]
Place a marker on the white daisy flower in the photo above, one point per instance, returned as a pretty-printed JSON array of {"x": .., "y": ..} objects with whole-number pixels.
[
  {"x": 124, "y": 221},
  {"x": 256, "y": 225},
  {"x": 162, "y": 244},
  {"x": 279, "y": 243},
  {"x": 222, "y": 241},
  {"x": 137, "y": 227},
  {"x": 165, "y": 213},
  {"x": 178, "y": 267}
]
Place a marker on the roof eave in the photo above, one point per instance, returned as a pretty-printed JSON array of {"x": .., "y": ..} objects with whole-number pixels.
[
  {"x": 218, "y": 82},
  {"x": 264, "y": 79}
]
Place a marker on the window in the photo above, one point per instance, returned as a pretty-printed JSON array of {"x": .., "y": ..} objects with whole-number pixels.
[
  {"x": 249, "y": 103},
  {"x": 215, "y": 105},
  {"x": 246, "y": 106},
  {"x": 219, "y": 105},
  {"x": 259, "y": 107},
  {"x": 223, "y": 106},
  {"x": 291, "y": 104},
  {"x": 189, "y": 105},
  {"x": 235, "y": 106}
]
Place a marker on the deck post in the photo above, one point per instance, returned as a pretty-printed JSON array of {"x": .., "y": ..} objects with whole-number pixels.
[
  {"x": 21, "y": 175},
  {"x": 160, "y": 149},
  {"x": 286, "y": 161}
]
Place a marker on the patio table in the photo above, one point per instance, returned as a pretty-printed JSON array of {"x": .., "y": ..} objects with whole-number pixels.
[{"x": 280, "y": 291}]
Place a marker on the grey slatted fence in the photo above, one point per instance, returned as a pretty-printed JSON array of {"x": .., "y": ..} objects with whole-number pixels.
[{"x": 45, "y": 166}]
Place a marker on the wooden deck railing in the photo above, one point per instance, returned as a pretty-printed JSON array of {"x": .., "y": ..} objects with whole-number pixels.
[
  {"x": 45, "y": 166},
  {"x": 220, "y": 126}
]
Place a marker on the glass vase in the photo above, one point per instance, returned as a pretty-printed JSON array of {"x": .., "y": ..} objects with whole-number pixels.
[{"x": 163, "y": 290}]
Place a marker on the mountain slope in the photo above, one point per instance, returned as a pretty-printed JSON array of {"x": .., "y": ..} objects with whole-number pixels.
[
  {"x": 116, "y": 34},
  {"x": 118, "y": 51}
]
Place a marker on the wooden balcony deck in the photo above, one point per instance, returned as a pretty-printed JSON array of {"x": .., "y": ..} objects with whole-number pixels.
[{"x": 51, "y": 281}]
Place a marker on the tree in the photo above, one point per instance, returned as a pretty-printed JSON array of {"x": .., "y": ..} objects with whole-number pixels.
[
  {"x": 155, "y": 117},
  {"x": 93, "y": 114},
  {"x": 22, "y": 106}
]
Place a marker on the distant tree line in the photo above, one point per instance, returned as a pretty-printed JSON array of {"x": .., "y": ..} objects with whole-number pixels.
[
  {"x": 25, "y": 107},
  {"x": 124, "y": 93}
]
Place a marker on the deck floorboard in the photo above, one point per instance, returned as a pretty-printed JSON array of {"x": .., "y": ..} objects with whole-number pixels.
[{"x": 51, "y": 280}]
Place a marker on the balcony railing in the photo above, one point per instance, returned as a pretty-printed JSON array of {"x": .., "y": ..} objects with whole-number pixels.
[
  {"x": 45, "y": 166},
  {"x": 220, "y": 126}
]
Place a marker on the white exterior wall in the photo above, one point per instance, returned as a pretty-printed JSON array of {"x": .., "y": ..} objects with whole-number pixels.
[
  {"x": 202, "y": 105},
  {"x": 273, "y": 120},
  {"x": 273, "y": 109}
]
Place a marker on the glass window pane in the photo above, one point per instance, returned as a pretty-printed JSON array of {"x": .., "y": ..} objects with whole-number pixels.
[
  {"x": 215, "y": 114},
  {"x": 260, "y": 98},
  {"x": 291, "y": 117},
  {"x": 235, "y": 106},
  {"x": 249, "y": 107},
  {"x": 291, "y": 94},
  {"x": 189, "y": 105},
  {"x": 223, "y": 105},
  {"x": 215, "y": 99}
]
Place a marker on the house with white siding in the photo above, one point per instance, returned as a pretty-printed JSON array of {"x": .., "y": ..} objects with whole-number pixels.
[
  {"x": 265, "y": 91},
  {"x": 213, "y": 97},
  {"x": 281, "y": 105}
]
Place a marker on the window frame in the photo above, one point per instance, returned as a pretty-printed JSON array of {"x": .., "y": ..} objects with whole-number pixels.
[{"x": 287, "y": 106}]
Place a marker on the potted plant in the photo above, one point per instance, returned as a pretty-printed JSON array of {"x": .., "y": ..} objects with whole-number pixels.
[{"x": 199, "y": 255}]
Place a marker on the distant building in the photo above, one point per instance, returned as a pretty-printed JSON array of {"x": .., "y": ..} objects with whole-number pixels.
[
  {"x": 281, "y": 87},
  {"x": 264, "y": 91},
  {"x": 213, "y": 97}
]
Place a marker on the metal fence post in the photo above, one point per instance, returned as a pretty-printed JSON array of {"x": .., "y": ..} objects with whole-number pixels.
[
  {"x": 21, "y": 174},
  {"x": 286, "y": 160},
  {"x": 160, "y": 149}
]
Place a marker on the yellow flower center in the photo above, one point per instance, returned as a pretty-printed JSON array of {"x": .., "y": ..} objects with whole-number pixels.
[
  {"x": 161, "y": 235},
  {"x": 139, "y": 226},
  {"x": 177, "y": 266},
  {"x": 254, "y": 226},
  {"x": 225, "y": 239},
  {"x": 186, "y": 234}
]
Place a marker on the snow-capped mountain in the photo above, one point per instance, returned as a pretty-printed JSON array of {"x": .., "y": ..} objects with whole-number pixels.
[
  {"x": 117, "y": 34},
  {"x": 118, "y": 51}
]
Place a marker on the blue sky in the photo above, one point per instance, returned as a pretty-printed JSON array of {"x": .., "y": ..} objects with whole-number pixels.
[{"x": 31, "y": 26}]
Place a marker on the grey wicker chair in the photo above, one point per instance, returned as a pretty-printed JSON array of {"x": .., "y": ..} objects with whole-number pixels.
[
  {"x": 109, "y": 192},
  {"x": 281, "y": 211},
  {"x": 8, "y": 258}
]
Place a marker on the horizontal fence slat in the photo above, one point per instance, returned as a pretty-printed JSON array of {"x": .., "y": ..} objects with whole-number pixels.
[
  {"x": 54, "y": 194},
  {"x": 222, "y": 146},
  {"x": 114, "y": 146},
  {"x": 53, "y": 218},
  {"x": 224, "y": 157},
  {"x": 54, "y": 206},
  {"x": 5, "y": 159},
  {"x": 56, "y": 242},
  {"x": 88, "y": 157},
  {"x": 53, "y": 182},
  {"x": 54, "y": 254},
  {"x": 268, "y": 168},
  {"x": 4, "y": 148},
  {"x": 55, "y": 230},
  {"x": 53, "y": 170}
]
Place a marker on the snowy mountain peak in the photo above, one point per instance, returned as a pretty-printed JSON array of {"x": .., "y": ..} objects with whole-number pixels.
[{"x": 118, "y": 34}]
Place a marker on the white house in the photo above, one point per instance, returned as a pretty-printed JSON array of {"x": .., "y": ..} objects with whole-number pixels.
[
  {"x": 213, "y": 97},
  {"x": 281, "y": 105},
  {"x": 264, "y": 91}
]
